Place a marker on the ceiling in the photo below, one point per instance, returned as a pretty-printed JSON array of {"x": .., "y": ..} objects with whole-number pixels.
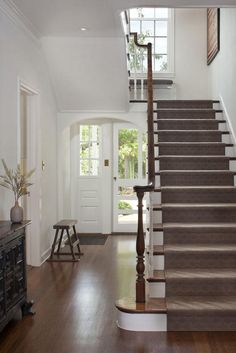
[
  {"x": 101, "y": 17},
  {"x": 88, "y": 69}
]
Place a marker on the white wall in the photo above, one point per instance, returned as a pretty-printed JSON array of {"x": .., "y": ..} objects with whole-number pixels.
[
  {"x": 191, "y": 71},
  {"x": 91, "y": 73},
  {"x": 21, "y": 57},
  {"x": 223, "y": 68},
  {"x": 88, "y": 73}
]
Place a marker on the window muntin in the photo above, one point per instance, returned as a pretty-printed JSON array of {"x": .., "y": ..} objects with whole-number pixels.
[
  {"x": 152, "y": 25},
  {"x": 89, "y": 152}
]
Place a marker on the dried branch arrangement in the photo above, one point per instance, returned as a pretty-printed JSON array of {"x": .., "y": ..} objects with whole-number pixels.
[{"x": 16, "y": 180}]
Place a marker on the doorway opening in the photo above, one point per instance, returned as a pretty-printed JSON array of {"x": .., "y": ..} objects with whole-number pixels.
[
  {"x": 129, "y": 170},
  {"x": 28, "y": 158}
]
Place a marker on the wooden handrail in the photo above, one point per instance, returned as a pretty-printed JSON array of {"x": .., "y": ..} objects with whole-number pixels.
[{"x": 140, "y": 190}]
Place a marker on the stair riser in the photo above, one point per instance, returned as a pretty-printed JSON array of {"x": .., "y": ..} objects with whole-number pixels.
[
  {"x": 192, "y": 150},
  {"x": 178, "y": 114},
  {"x": 196, "y": 237},
  {"x": 200, "y": 287},
  {"x": 187, "y": 125},
  {"x": 179, "y": 179},
  {"x": 194, "y": 164},
  {"x": 214, "y": 322},
  {"x": 189, "y": 136},
  {"x": 198, "y": 196},
  {"x": 172, "y": 104},
  {"x": 199, "y": 260},
  {"x": 198, "y": 215}
]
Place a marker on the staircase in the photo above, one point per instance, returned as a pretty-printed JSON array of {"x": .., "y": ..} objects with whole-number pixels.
[
  {"x": 194, "y": 230},
  {"x": 191, "y": 256}
]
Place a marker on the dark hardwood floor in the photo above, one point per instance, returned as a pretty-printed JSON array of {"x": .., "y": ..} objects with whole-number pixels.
[{"x": 76, "y": 312}]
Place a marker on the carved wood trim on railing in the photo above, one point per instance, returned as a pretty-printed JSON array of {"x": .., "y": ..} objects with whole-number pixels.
[{"x": 140, "y": 190}]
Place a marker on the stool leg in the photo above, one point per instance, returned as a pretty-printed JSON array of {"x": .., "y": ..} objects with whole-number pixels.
[
  {"x": 77, "y": 238},
  {"x": 54, "y": 244},
  {"x": 71, "y": 247},
  {"x": 59, "y": 244}
]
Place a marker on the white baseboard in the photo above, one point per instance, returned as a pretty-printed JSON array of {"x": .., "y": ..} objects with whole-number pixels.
[{"x": 45, "y": 255}]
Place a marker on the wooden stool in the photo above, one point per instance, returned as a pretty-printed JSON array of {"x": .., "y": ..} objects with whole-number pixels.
[{"x": 65, "y": 226}]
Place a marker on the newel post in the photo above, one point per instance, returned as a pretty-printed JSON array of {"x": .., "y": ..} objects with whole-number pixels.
[{"x": 140, "y": 248}]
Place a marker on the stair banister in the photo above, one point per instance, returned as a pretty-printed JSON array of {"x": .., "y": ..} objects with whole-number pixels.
[{"x": 140, "y": 190}]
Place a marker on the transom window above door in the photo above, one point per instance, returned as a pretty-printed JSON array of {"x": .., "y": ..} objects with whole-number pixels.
[
  {"x": 89, "y": 154},
  {"x": 156, "y": 26}
]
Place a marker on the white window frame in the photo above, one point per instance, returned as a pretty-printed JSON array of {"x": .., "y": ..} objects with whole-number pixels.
[{"x": 170, "y": 73}]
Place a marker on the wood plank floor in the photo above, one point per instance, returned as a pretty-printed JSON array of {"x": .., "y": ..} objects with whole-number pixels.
[{"x": 76, "y": 312}]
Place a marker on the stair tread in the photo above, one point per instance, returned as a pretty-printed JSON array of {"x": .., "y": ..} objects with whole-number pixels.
[
  {"x": 162, "y": 275},
  {"x": 195, "y": 205},
  {"x": 191, "y": 143},
  {"x": 186, "y": 100},
  {"x": 202, "y": 273},
  {"x": 187, "y": 131},
  {"x": 152, "y": 305},
  {"x": 202, "y": 304},
  {"x": 195, "y": 157},
  {"x": 158, "y": 276},
  {"x": 198, "y": 120},
  {"x": 199, "y": 248},
  {"x": 209, "y": 187},
  {"x": 188, "y": 109},
  {"x": 193, "y": 225},
  {"x": 198, "y": 171}
]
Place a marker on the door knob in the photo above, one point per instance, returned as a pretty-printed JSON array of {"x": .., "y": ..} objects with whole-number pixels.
[{"x": 114, "y": 178}]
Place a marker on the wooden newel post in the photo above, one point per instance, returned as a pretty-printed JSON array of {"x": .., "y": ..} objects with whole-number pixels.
[{"x": 140, "y": 248}]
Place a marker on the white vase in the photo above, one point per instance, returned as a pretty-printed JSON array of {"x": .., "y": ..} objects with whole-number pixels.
[{"x": 16, "y": 214}]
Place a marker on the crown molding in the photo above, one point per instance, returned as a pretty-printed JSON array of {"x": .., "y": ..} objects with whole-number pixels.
[{"x": 8, "y": 8}]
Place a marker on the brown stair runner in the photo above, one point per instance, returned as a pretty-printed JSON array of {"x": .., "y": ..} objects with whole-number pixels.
[{"x": 198, "y": 206}]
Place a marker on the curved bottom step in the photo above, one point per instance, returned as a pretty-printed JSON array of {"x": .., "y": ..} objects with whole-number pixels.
[{"x": 149, "y": 316}]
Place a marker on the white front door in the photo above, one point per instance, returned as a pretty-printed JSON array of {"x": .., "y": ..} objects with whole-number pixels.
[
  {"x": 129, "y": 170},
  {"x": 86, "y": 174}
]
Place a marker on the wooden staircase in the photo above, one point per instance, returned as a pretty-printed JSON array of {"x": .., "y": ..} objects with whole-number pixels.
[{"x": 192, "y": 235}]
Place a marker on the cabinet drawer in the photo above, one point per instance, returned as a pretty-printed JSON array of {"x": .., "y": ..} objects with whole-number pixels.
[{"x": 19, "y": 251}]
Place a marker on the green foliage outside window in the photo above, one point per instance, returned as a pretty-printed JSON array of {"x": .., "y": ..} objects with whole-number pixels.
[
  {"x": 128, "y": 153},
  {"x": 123, "y": 205}
]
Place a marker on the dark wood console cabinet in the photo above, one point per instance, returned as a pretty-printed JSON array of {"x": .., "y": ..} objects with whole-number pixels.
[{"x": 13, "y": 285}]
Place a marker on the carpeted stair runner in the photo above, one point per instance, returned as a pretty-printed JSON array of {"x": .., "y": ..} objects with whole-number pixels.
[{"x": 198, "y": 207}]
